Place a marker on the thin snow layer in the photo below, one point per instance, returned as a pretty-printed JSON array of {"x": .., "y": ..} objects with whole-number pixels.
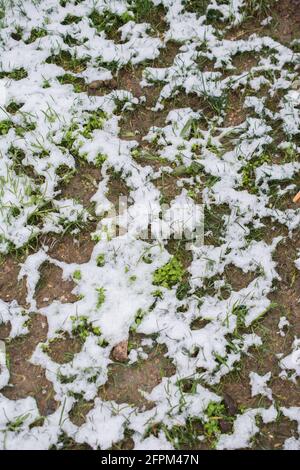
[
  {"x": 293, "y": 413},
  {"x": 45, "y": 129},
  {"x": 245, "y": 428},
  {"x": 259, "y": 385},
  {"x": 291, "y": 363}
]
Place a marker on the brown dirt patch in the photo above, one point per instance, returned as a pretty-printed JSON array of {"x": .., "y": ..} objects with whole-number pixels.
[
  {"x": 27, "y": 379},
  {"x": 235, "y": 113},
  {"x": 263, "y": 359},
  {"x": 136, "y": 124},
  {"x": 284, "y": 201},
  {"x": 10, "y": 287},
  {"x": 269, "y": 231},
  {"x": 116, "y": 188},
  {"x": 83, "y": 185},
  {"x": 69, "y": 248},
  {"x": 272, "y": 436},
  {"x": 70, "y": 444},
  {"x": 237, "y": 278},
  {"x": 125, "y": 381},
  {"x": 80, "y": 410},
  {"x": 285, "y": 25},
  {"x": 126, "y": 444},
  {"x": 287, "y": 252},
  {"x": 52, "y": 287},
  {"x": 287, "y": 16},
  {"x": 177, "y": 248},
  {"x": 245, "y": 61},
  {"x": 167, "y": 55},
  {"x": 62, "y": 350}
]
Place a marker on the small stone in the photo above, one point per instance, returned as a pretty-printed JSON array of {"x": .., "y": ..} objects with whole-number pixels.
[
  {"x": 230, "y": 404},
  {"x": 225, "y": 426},
  {"x": 297, "y": 197},
  {"x": 120, "y": 351},
  {"x": 96, "y": 85}
]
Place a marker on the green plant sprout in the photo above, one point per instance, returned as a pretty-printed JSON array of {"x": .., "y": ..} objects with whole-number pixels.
[
  {"x": 169, "y": 275},
  {"x": 100, "y": 297}
]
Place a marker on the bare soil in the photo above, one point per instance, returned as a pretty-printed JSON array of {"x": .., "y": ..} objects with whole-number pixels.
[{"x": 126, "y": 382}]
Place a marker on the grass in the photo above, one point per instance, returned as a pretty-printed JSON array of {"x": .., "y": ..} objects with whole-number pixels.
[
  {"x": 172, "y": 275},
  {"x": 185, "y": 437},
  {"x": 100, "y": 296},
  {"x": 169, "y": 275},
  {"x": 77, "y": 82},
  {"x": 100, "y": 159},
  {"x": 82, "y": 328},
  {"x": 95, "y": 120},
  {"x": 26, "y": 127},
  {"x": 17, "y": 34},
  {"x": 69, "y": 19},
  {"x": 214, "y": 223},
  {"x": 109, "y": 22},
  {"x": 214, "y": 413},
  {"x": 71, "y": 41},
  {"x": 65, "y": 173},
  {"x": 142, "y": 10},
  {"x": 240, "y": 311},
  {"x": 16, "y": 74},
  {"x": 248, "y": 172},
  {"x": 15, "y": 425},
  {"x": 2, "y": 9},
  {"x": 68, "y": 61},
  {"x": 36, "y": 33},
  {"x": 13, "y": 107},
  {"x": 77, "y": 275},
  {"x": 5, "y": 126},
  {"x": 137, "y": 320},
  {"x": 196, "y": 6},
  {"x": 218, "y": 104},
  {"x": 100, "y": 260},
  {"x": 69, "y": 141},
  {"x": 259, "y": 8}
]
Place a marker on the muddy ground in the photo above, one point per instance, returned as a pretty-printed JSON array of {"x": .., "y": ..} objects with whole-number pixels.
[{"x": 126, "y": 381}]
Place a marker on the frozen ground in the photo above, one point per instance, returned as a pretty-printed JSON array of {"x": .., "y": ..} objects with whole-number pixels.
[{"x": 196, "y": 101}]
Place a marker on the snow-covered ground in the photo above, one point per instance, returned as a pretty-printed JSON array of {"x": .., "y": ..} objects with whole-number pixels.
[{"x": 47, "y": 125}]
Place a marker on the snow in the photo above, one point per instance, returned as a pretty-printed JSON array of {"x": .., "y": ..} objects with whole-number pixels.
[
  {"x": 104, "y": 423},
  {"x": 290, "y": 364},
  {"x": 47, "y": 135},
  {"x": 259, "y": 385}
]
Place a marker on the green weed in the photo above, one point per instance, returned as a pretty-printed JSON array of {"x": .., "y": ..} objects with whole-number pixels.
[
  {"x": 248, "y": 172},
  {"x": 13, "y": 426},
  {"x": 138, "y": 319},
  {"x": 36, "y": 33},
  {"x": 109, "y": 22},
  {"x": 16, "y": 74},
  {"x": 169, "y": 275},
  {"x": 214, "y": 412},
  {"x": 77, "y": 275},
  {"x": 100, "y": 260},
  {"x": 5, "y": 126},
  {"x": 69, "y": 19},
  {"x": 100, "y": 297},
  {"x": 68, "y": 62},
  {"x": 82, "y": 328},
  {"x": 94, "y": 121},
  {"x": 77, "y": 82}
]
